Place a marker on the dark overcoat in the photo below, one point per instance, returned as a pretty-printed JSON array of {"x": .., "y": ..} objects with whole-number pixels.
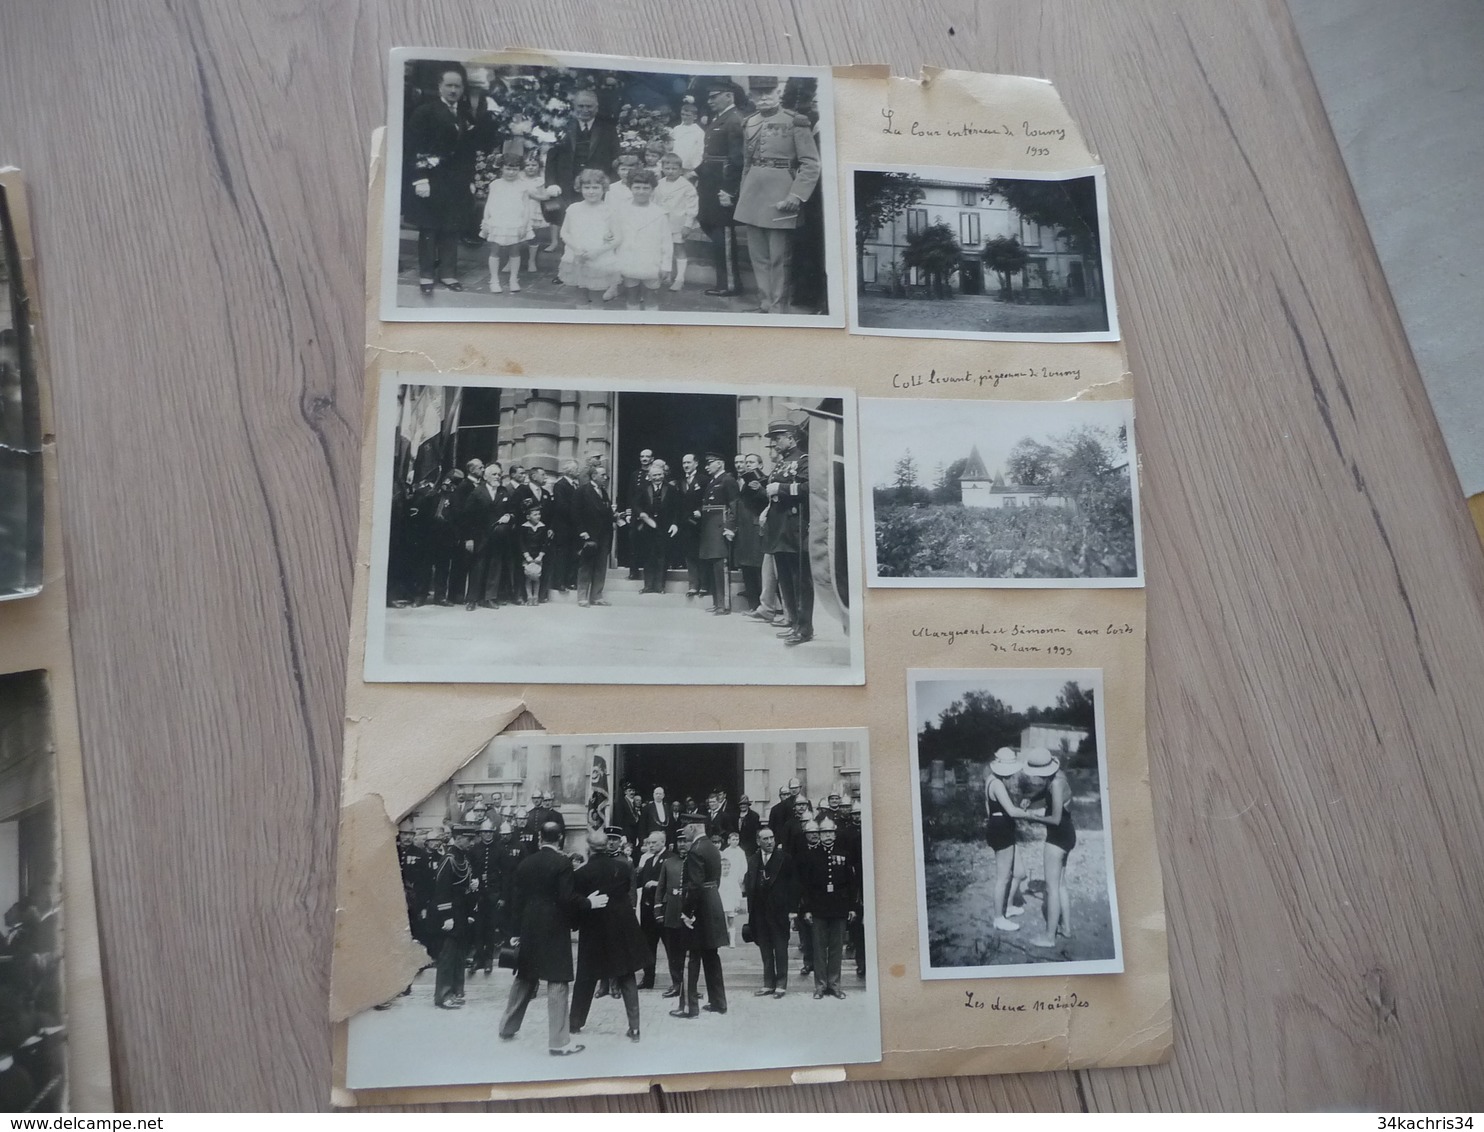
[
  {"x": 718, "y": 515},
  {"x": 772, "y": 890},
  {"x": 702, "y": 898},
  {"x": 787, "y": 527},
  {"x": 752, "y": 498},
  {"x": 610, "y": 943},
  {"x": 437, "y": 147},
  {"x": 545, "y": 902}
]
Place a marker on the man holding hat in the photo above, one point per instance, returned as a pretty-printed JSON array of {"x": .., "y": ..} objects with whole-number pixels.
[
  {"x": 780, "y": 170},
  {"x": 718, "y": 528},
  {"x": 702, "y": 912},
  {"x": 786, "y": 533},
  {"x": 718, "y": 179}
]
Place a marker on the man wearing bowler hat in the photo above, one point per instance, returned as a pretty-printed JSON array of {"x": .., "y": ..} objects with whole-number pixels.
[
  {"x": 780, "y": 171},
  {"x": 718, "y": 528},
  {"x": 786, "y": 533},
  {"x": 718, "y": 179}
]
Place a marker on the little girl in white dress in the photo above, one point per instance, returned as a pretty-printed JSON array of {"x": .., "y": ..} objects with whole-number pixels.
[
  {"x": 645, "y": 250},
  {"x": 589, "y": 238},
  {"x": 507, "y": 219}
]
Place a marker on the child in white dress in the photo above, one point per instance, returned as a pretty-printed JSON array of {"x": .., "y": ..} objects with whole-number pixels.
[
  {"x": 645, "y": 250},
  {"x": 625, "y": 164},
  {"x": 540, "y": 225},
  {"x": 507, "y": 219},
  {"x": 589, "y": 237},
  {"x": 677, "y": 197},
  {"x": 688, "y": 139}
]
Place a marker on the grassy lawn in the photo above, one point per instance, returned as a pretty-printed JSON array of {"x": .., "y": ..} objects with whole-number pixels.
[{"x": 980, "y": 314}]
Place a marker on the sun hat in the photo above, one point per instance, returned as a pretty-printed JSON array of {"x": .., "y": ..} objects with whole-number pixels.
[
  {"x": 1041, "y": 763},
  {"x": 1004, "y": 762}
]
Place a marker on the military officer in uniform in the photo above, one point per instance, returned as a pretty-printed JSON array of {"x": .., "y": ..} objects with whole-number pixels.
[
  {"x": 780, "y": 171},
  {"x": 718, "y": 179},
  {"x": 718, "y": 529},
  {"x": 484, "y": 868},
  {"x": 702, "y": 912},
  {"x": 830, "y": 887},
  {"x": 452, "y": 892},
  {"x": 786, "y": 531}
]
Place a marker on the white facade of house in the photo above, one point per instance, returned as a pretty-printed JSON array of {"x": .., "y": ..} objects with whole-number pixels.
[
  {"x": 1058, "y": 738},
  {"x": 976, "y": 216},
  {"x": 995, "y": 495}
]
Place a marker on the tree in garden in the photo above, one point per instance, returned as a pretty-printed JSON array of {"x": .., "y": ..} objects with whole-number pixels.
[
  {"x": 935, "y": 252},
  {"x": 1092, "y": 471},
  {"x": 1070, "y": 207},
  {"x": 948, "y": 488},
  {"x": 905, "y": 471},
  {"x": 1006, "y": 258},
  {"x": 1031, "y": 463},
  {"x": 879, "y": 199}
]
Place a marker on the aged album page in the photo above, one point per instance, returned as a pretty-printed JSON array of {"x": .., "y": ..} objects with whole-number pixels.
[
  {"x": 38, "y": 703},
  {"x": 402, "y": 740}
]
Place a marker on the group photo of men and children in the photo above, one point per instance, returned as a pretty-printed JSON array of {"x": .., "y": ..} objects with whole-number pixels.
[{"x": 569, "y": 193}]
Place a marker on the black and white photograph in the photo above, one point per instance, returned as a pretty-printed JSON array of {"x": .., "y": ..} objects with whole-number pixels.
[
  {"x": 1010, "y": 804},
  {"x": 614, "y": 905},
  {"x": 33, "y": 1029},
  {"x": 20, "y": 426},
  {"x": 1001, "y": 494},
  {"x": 599, "y": 189},
  {"x": 981, "y": 254},
  {"x": 601, "y": 533}
]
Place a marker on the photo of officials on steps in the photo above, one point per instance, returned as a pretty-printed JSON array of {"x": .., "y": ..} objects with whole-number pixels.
[
  {"x": 681, "y": 903},
  {"x": 586, "y": 188},
  {"x": 603, "y": 534}
]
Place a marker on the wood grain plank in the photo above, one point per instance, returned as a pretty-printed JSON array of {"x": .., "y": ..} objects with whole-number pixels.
[{"x": 1315, "y": 589}]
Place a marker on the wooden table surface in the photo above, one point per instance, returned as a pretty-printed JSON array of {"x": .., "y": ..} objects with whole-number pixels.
[{"x": 197, "y": 174}]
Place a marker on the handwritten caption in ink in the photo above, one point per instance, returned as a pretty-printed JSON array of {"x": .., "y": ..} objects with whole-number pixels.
[
  {"x": 990, "y": 379},
  {"x": 1035, "y": 1006},
  {"x": 1039, "y": 138},
  {"x": 1040, "y": 640}
]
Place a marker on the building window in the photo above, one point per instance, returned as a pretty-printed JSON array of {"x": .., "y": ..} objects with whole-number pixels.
[
  {"x": 1009, "y": 501},
  {"x": 872, "y": 233},
  {"x": 868, "y": 268},
  {"x": 968, "y": 229},
  {"x": 968, "y": 197},
  {"x": 916, "y": 220}
]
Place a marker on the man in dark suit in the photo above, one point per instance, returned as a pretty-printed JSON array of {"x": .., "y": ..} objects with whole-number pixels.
[
  {"x": 647, "y": 887},
  {"x": 589, "y": 143},
  {"x": 452, "y": 915},
  {"x": 629, "y": 812},
  {"x": 534, "y": 495},
  {"x": 707, "y": 919},
  {"x": 592, "y": 513},
  {"x": 564, "y": 540},
  {"x": 632, "y": 489},
  {"x": 830, "y": 887},
  {"x": 438, "y": 170},
  {"x": 718, "y": 181},
  {"x": 771, "y": 899},
  {"x": 692, "y": 499},
  {"x": 659, "y": 816},
  {"x": 718, "y": 527},
  {"x": 669, "y": 908},
  {"x": 545, "y": 901},
  {"x": 656, "y": 522},
  {"x": 749, "y": 823},
  {"x": 610, "y": 945},
  {"x": 486, "y": 516},
  {"x": 721, "y": 819}
]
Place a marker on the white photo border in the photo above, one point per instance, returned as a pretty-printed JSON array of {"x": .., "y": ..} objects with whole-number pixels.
[
  {"x": 377, "y": 669},
  {"x": 876, "y": 581},
  {"x": 968, "y": 176},
  {"x": 1093, "y": 676},
  {"x": 392, "y": 311},
  {"x": 638, "y": 1063}
]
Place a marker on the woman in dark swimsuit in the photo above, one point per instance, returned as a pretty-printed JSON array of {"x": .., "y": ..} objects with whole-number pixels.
[
  {"x": 1061, "y": 839},
  {"x": 1001, "y": 832}
]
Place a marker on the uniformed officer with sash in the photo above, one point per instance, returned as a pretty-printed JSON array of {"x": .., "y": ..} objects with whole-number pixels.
[
  {"x": 780, "y": 171},
  {"x": 786, "y": 531}
]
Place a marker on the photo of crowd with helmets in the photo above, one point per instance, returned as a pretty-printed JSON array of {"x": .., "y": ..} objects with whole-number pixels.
[
  {"x": 732, "y": 504},
  {"x": 675, "y": 893},
  {"x": 536, "y": 192}
]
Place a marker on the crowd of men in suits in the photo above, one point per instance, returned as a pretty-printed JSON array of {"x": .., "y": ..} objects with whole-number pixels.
[
  {"x": 508, "y": 888},
  {"x": 486, "y": 535},
  {"x": 32, "y": 1027}
]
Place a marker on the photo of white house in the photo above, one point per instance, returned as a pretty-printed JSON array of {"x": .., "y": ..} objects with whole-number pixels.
[{"x": 963, "y": 253}]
